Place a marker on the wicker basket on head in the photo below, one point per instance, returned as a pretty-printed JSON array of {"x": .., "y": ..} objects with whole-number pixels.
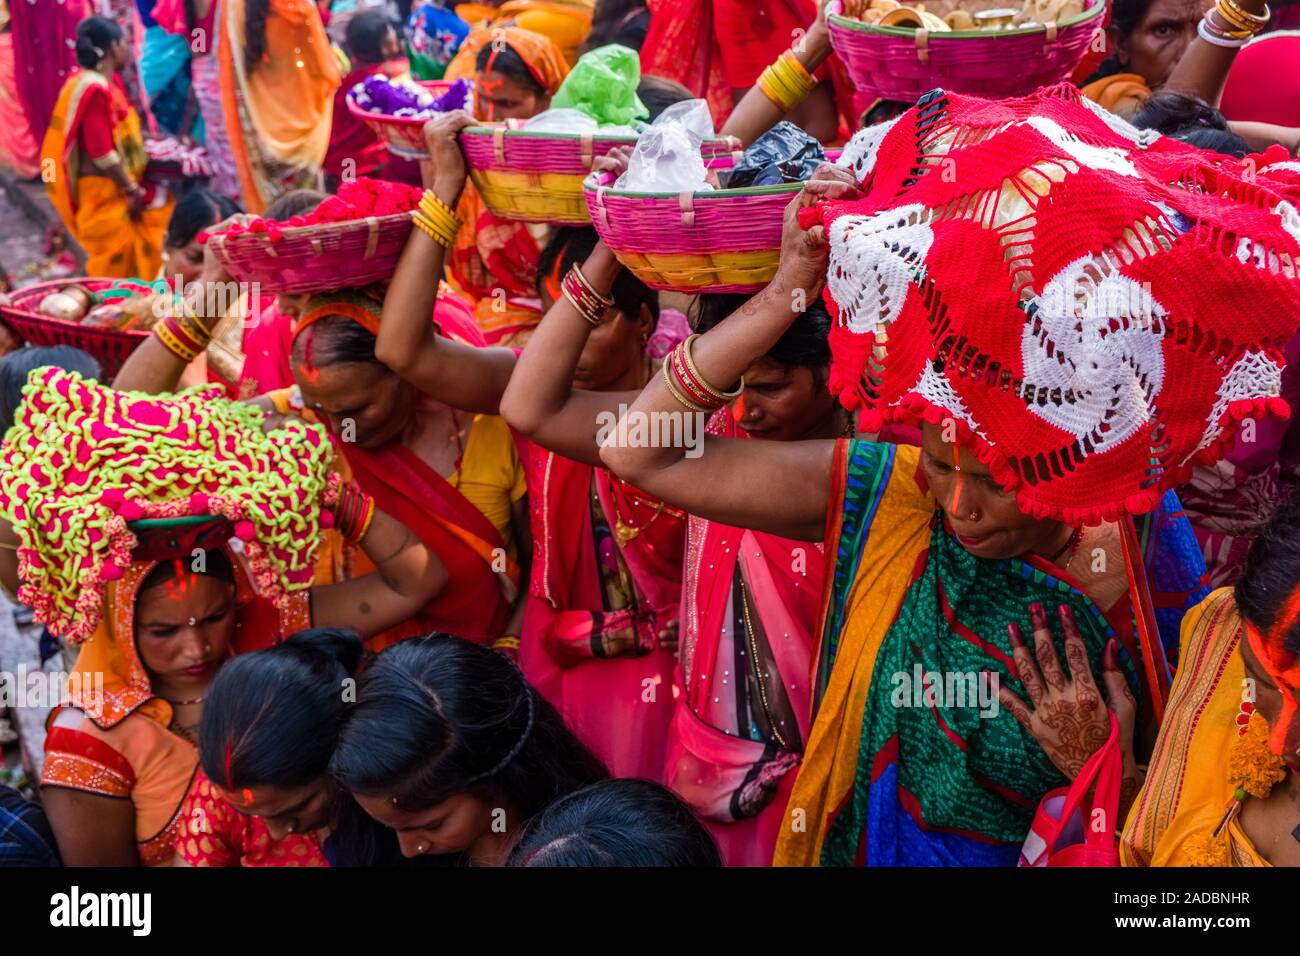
[
  {"x": 403, "y": 135},
  {"x": 536, "y": 176},
  {"x": 110, "y": 347},
  {"x": 899, "y": 63},
  {"x": 724, "y": 240},
  {"x": 317, "y": 258}
]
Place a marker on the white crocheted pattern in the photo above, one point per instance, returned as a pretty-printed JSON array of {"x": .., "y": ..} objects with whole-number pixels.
[
  {"x": 860, "y": 152},
  {"x": 1254, "y": 375},
  {"x": 1290, "y": 217},
  {"x": 1092, "y": 354},
  {"x": 1110, "y": 158},
  {"x": 937, "y": 390},
  {"x": 1141, "y": 138},
  {"x": 872, "y": 261}
]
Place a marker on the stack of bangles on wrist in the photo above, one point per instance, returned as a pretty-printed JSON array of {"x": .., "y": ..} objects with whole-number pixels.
[
  {"x": 689, "y": 387},
  {"x": 591, "y": 305},
  {"x": 352, "y": 508},
  {"x": 436, "y": 220},
  {"x": 507, "y": 642},
  {"x": 184, "y": 335},
  {"x": 786, "y": 82},
  {"x": 1228, "y": 24}
]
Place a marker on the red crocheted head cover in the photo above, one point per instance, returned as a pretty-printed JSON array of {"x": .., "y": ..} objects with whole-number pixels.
[{"x": 1094, "y": 307}]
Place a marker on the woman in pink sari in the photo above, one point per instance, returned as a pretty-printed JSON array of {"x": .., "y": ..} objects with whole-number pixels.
[
  {"x": 44, "y": 57},
  {"x": 19, "y": 149},
  {"x": 750, "y": 609}
]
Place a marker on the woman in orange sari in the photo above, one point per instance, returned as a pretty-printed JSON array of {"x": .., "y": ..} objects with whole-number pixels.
[
  {"x": 156, "y": 623},
  {"x": 95, "y": 147},
  {"x": 494, "y": 260},
  {"x": 278, "y": 77},
  {"x": 1219, "y": 788}
]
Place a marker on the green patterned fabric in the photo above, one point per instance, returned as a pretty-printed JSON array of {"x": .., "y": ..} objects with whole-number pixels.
[{"x": 974, "y": 779}]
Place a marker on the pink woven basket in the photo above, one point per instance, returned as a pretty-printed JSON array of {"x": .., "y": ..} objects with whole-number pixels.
[
  {"x": 899, "y": 63},
  {"x": 724, "y": 240},
  {"x": 319, "y": 258},
  {"x": 403, "y": 135},
  {"x": 109, "y": 346},
  {"x": 537, "y": 177}
]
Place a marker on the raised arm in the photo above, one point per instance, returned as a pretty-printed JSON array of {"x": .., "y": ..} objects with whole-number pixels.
[
  {"x": 779, "y": 487},
  {"x": 407, "y": 577},
  {"x": 1202, "y": 71},
  {"x": 459, "y": 375},
  {"x": 755, "y": 114}
]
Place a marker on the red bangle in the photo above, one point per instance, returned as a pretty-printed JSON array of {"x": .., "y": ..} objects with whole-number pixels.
[
  {"x": 353, "y": 512},
  {"x": 687, "y": 382}
]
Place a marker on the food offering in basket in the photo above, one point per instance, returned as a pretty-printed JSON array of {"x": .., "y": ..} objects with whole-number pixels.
[
  {"x": 684, "y": 222},
  {"x": 107, "y": 318},
  {"x": 352, "y": 238},
  {"x": 970, "y": 16},
  {"x": 988, "y": 48},
  {"x": 533, "y": 171},
  {"x": 396, "y": 109}
]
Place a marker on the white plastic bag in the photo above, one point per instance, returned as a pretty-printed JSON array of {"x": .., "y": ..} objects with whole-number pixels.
[{"x": 667, "y": 156}]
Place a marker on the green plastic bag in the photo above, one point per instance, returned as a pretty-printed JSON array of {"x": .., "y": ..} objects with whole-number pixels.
[{"x": 603, "y": 85}]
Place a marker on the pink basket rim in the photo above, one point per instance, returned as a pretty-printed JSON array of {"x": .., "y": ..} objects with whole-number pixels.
[
  {"x": 716, "y": 144},
  {"x": 836, "y": 19},
  {"x": 19, "y": 309},
  {"x": 598, "y": 182},
  {"x": 357, "y": 111},
  {"x": 317, "y": 229}
]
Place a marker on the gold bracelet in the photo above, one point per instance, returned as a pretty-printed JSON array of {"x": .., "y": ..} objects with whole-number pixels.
[
  {"x": 681, "y": 397},
  {"x": 507, "y": 642},
  {"x": 721, "y": 396},
  {"x": 438, "y": 212},
  {"x": 606, "y": 300},
  {"x": 173, "y": 344},
  {"x": 594, "y": 320},
  {"x": 192, "y": 325},
  {"x": 786, "y": 82}
]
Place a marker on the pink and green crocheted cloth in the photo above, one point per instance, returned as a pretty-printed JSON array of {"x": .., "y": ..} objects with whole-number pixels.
[
  {"x": 1094, "y": 307},
  {"x": 84, "y": 460}
]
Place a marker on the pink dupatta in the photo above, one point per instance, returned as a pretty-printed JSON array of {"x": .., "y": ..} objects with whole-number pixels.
[
  {"x": 621, "y": 707},
  {"x": 739, "y": 785}
]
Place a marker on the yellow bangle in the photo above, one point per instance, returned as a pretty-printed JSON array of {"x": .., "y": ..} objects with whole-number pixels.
[
  {"x": 506, "y": 643},
  {"x": 434, "y": 231},
  {"x": 173, "y": 344},
  {"x": 438, "y": 212},
  {"x": 786, "y": 82},
  {"x": 1240, "y": 16}
]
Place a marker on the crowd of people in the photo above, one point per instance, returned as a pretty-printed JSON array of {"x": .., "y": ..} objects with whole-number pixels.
[{"x": 354, "y": 576}]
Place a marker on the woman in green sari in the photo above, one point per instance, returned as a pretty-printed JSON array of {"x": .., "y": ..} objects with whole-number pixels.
[{"x": 1036, "y": 416}]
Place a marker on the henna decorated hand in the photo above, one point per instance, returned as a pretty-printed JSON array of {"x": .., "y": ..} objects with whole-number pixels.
[{"x": 1069, "y": 718}]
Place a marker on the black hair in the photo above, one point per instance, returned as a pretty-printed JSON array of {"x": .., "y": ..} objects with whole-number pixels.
[
  {"x": 214, "y": 564},
  {"x": 1272, "y": 571},
  {"x": 439, "y": 716},
  {"x": 616, "y": 823},
  {"x": 195, "y": 211},
  {"x": 255, "y": 14},
  {"x": 1125, "y": 16},
  {"x": 573, "y": 244},
  {"x": 506, "y": 61},
  {"x": 658, "y": 93},
  {"x": 272, "y": 717},
  {"x": 365, "y": 36},
  {"x": 805, "y": 344},
  {"x": 1190, "y": 120},
  {"x": 18, "y": 364},
  {"x": 336, "y": 340},
  {"x": 94, "y": 37},
  {"x": 618, "y": 21},
  {"x": 296, "y": 202}
]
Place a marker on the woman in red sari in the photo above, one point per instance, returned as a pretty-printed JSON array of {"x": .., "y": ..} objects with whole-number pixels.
[{"x": 600, "y": 624}]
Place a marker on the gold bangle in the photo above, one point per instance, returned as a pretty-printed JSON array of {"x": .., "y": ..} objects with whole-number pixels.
[
  {"x": 370, "y": 517},
  {"x": 677, "y": 393},
  {"x": 594, "y": 320},
  {"x": 507, "y": 642},
  {"x": 1257, "y": 21},
  {"x": 173, "y": 344},
  {"x": 710, "y": 390},
  {"x": 192, "y": 325},
  {"x": 438, "y": 212},
  {"x": 606, "y": 300}
]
